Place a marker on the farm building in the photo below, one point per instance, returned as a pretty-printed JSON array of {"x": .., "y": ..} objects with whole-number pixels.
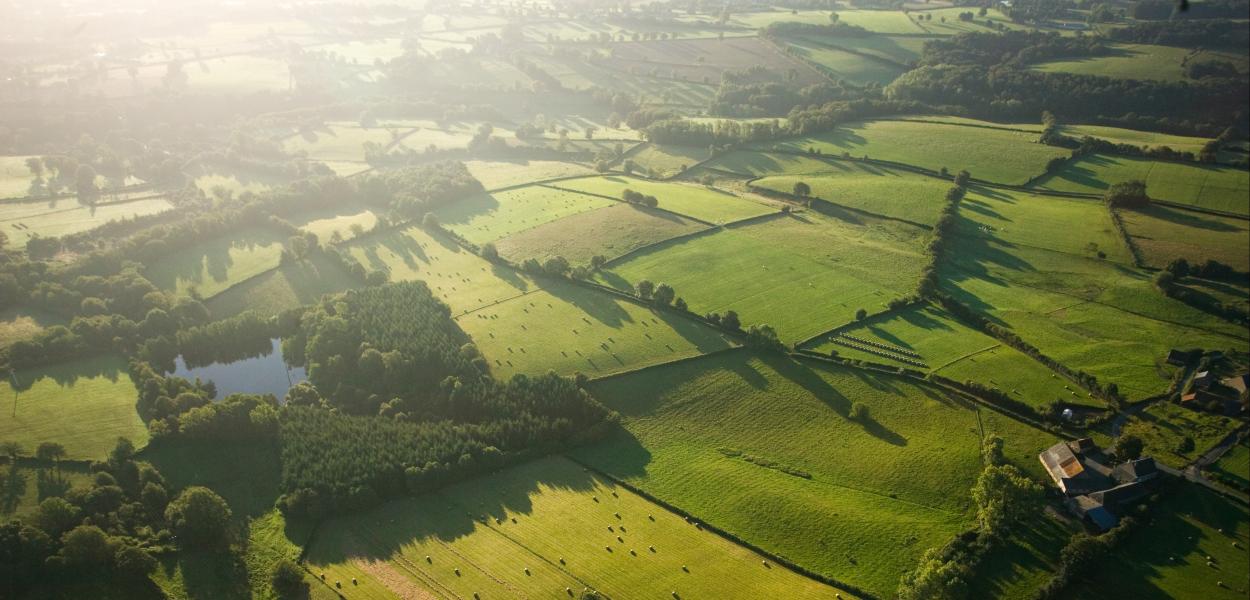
[
  {"x": 1203, "y": 379},
  {"x": 1095, "y": 492},
  {"x": 1180, "y": 358},
  {"x": 1238, "y": 383}
]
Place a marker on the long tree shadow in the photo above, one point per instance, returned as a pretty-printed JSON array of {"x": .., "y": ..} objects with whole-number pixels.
[{"x": 1188, "y": 219}]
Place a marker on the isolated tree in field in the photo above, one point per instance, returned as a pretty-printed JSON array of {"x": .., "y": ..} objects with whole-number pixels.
[
  {"x": 730, "y": 320},
  {"x": 801, "y": 189},
  {"x": 1127, "y": 194},
  {"x": 199, "y": 518},
  {"x": 861, "y": 314},
  {"x": 84, "y": 182},
  {"x": 962, "y": 178},
  {"x": 1165, "y": 281},
  {"x": 680, "y": 304},
  {"x": 489, "y": 251},
  {"x": 597, "y": 261},
  {"x": 1128, "y": 447},
  {"x": 288, "y": 581},
  {"x": 833, "y": 17},
  {"x": 664, "y": 294},
  {"x": 556, "y": 265},
  {"x": 1003, "y": 496},
  {"x": 645, "y": 288}
]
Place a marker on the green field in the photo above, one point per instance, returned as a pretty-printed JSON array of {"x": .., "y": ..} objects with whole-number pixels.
[
  {"x": 1127, "y": 61},
  {"x": 953, "y": 350},
  {"x": 996, "y": 155},
  {"x": 22, "y": 488},
  {"x": 609, "y": 231},
  {"x": 667, "y": 161},
  {"x": 1163, "y": 233},
  {"x": 490, "y": 216},
  {"x": 1203, "y": 186},
  {"x": 880, "y": 190},
  {"x": 802, "y": 274},
  {"x": 1145, "y": 139},
  {"x": 212, "y": 178},
  {"x": 759, "y": 164},
  {"x": 534, "y": 531},
  {"x": 1163, "y": 425},
  {"x": 213, "y": 266},
  {"x": 96, "y": 391},
  {"x": 1235, "y": 464},
  {"x": 15, "y": 177},
  {"x": 846, "y": 65},
  {"x": 497, "y": 174},
  {"x": 570, "y": 329},
  {"x": 1168, "y": 556},
  {"x": 288, "y": 286},
  {"x": 340, "y": 141},
  {"x": 341, "y": 220},
  {"x": 1022, "y": 220},
  {"x": 878, "y": 495},
  {"x": 695, "y": 201},
  {"x": 23, "y": 323},
  {"x": 21, "y": 221},
  {"x": 1023, "y": 562}
]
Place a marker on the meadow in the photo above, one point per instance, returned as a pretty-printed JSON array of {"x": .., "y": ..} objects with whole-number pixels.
[
  {"x": 1145, "y": 139},
  {"x": 1021, "y": 220},
  {"x": 286, "y": 287},
  {"x": 21, "y": 221},
  {"x": 693, "y": 201},
  {"x": 1163, "y": 233},
  {"x": 24, "y": 322},
  {"x": 570, "y": 329},
  {"x": 537, "y": 530},
  {"x": 1025, "y": 560},
  {"x": 97, "y": 391},
  {"x": 1127, "y": 61},
  {"x": 499, "y": 174},
  {"x": 667, "y": 161},
  {"x": 1202, "y": 186},
  {"x": 760, "y": 164},
  {"x": 609, "y": 231},
  {"x": 846, "y": 65},
  {"x": 774, "y": 271},
  {"x": 858, "y": 501},
  {"x": 213, "y": 266},
  {"x": 1168, "y": 556},
  {"x": 487, "y": 217},
  {"x": 955, "y": 351},
  {"x": 210, "y": 178},
  {"x": 881, "y": 190},
  {"x": 340, "y": 141},
  {"x": 339, "y": 223},
  {"x": 997, "y": 155}
]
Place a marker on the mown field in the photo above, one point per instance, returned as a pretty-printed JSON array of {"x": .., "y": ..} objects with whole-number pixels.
[
  {"x": 96, "y": 391},
  {"x": 996, "y": 155},
  {"x": 1204, "y": 186},
  {"x": 857, "y": 501},
  {"x": 213, "y": 266},
  {"x": 846, "y": 65},
  {"x": 1168, "y": 556},
  {"x": 1145, "y": 139},
  {"x": 536, "y": 531},
  {"x": 289, "y": 286},
  {"x": 1163, "y": 233},
  {"x": 695, "y": 201},
  {"x": 487, "y": 217},
  {"x": 759, "y": 164},
  {"x": 1010, "y": 219},
  {"x": 881, "y": 190},
  {"x": 21, "y": 221},
  {"x": 569, "y": 329},
  {"x": 953, "y": 350},
  {"x": 497, "y": 174},
  {"x": 802, "y": 274},
  {"x": 609, "y": 231},
  {"x": 24, "y": 322}
]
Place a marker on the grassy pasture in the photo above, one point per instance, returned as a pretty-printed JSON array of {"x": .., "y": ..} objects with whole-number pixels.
[
  {"x": 21, "y": 221},
  {"x": 759, "y": 164},
  {"x": 991, "y": 154},
  {"x": 238, "y": 74},
  {"x": 774, "y": 272},
  {"x": 1127, "y": 61},
  {"x": 1024, "y": 561},
  {"x": 498, "y": 174},
  {"x": 234, "y": 180},
  {"x": 1145, "y": 139},
  {"x": 878, "y": 495},
  {"x": 1163, "y": 233},
  {"x": 955, "y": 351},
  {"x": 881, "y": 190},
  {"x": 83, "y": 404},
  {"x": 490, "y": 216},
  {"x": 694, "y": 201},
  {"x": 24, "y": 322},
  {"x": 22, "y": 488},
  {"x": 900, "y": 49},
  {"x": 570, "y": 329},
  {"x": 577, "y": 75},
  {"x": 705, "y": 59},
  {"x": 1031, "y": 127},
  {"x": 1018, "y": 219},
  {"x": 288, "y": 286},
  {"x": 878, "y": 21},
  {"x": 340, "y": 141},
  {"x": 610, "y": 231},
  {"x": 1203, "y": 186},
  {"x": 533, "y": 531},
  {"x": 325, "y": 223},
  {"x": 1167, "y": 558},
  {"x": 667, "y": 161},
  {"x": 1235, "y": 464},
  {"x": 16, "y": 179},
  {"x": 846, "y": 65},
  {"x": 214, "y": 265}
]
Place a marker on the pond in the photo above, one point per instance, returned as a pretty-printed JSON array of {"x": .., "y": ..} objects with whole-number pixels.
[{"x": 264, "y": 374}]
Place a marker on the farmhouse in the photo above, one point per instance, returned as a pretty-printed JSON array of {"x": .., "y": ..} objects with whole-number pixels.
[
  {"x": 1239, "y": 383},
  {"x": 1095, "y": 492},
  {"x": 1180, "y": 358},
  {"x": 1203, "y": 379}
]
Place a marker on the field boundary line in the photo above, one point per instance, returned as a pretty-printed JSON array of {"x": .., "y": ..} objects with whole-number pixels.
[
  {"x": 968, "y": 355},
  {"x": 677, "y": 238},
  {"x": 615, "y": 199},
  {"x": 932, "y": 122},
  {"x": 684, "y": 359},
  {"x": 791, "y": 197},
  {"x": 726, "y": 535}
]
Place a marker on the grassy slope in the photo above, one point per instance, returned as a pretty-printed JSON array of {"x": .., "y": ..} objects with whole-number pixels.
[
  {"x": 324, "y": 224},
  {"x": 532, "y": 517},
  {"x": 846, "y": 65},
  {"x": 758, "y": 164},
  {"x": 610, "y": 231},
  {"x": 217, "y": 264},
  {"x": 1204, "y": 186},
  {"x": 1015, "y": 219},
  {"x": 953, "y": 350},
  {"x": 1163, "y": 233},
  {"x": 83, "y": 404},
  {"x": 690, "y": 200},
  {"x": 1127, "y": 61},
  {"x": 668, "y": 160},
  {"x": 497, "y": 174},
  {"x": 1164, "y": 425},
  {"x": 990, "y": 154},
  {"x": 289, "y": 286},
  {"x": 487, "y": 217},
  {"x": 802, "y": 274},
  {"x": 1235, "y": 464},
  {"x": 15, "y": 177},
  {"x": 1147, "y": 139},
  {"x": 880, "y": 190},
  {"x": 880, "y": 493}
]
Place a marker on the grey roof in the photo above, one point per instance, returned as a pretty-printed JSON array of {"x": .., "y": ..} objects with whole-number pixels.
[
  {"x": 1073, "y": 473},
  {"x": 1091, "y": 509},
  {"x": 1142, "y": 469},
  {"x": 1122, "y": 494}
]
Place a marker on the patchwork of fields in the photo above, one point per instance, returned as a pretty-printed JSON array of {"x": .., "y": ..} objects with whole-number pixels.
[
  {"x": 881, "y": 190},
  {"x": 698, "y": 202}
]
